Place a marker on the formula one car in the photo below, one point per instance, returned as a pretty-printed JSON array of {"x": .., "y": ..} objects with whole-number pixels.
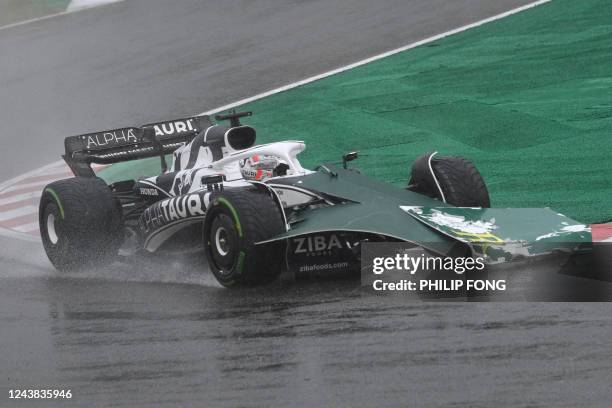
[{"x": 256, "y": 211}]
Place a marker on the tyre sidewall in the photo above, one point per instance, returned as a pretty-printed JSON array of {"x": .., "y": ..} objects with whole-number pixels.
[
  {"x": 88, "y": 223},
  {"x": 227, "y": 275},
  {"x": 58, "y": 251},
  {"x": 255, "y": 217}
]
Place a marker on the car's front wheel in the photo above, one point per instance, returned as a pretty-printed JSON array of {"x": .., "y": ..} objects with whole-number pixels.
[
  {"x": 451, "y": 179},
  {"x": 236, "y": 220}
]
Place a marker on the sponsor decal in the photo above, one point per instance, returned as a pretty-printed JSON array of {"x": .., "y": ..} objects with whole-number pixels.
[
  {"x": 183, "y": 181},
  {"x": 324, "y": 267},
  {"x": 170, "y": 128},
  {"x": 111, "y": 138},
  {"x": 324, "y": 252},
  {"x": 148, "y": 191},
  {"x": 129, "y": 135},
  {"x": 316, "y": 244},
  {"x": 173, "y": 209}
]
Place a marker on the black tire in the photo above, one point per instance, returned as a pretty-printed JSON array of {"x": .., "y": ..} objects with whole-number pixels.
[
  {"x": 235, "y": 220},
  {"x": 80, "y": 223},
  {"x": 460, "y": 181}
]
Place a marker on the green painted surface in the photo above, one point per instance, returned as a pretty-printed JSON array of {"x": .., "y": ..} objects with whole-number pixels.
[
  {"x": 527, "y": 98},
  {"x": 13, "y": 11}
]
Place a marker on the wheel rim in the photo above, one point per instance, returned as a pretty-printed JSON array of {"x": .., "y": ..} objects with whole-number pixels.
[
  {"x": 221, "y": 241},
  {"x": 51, "y": 232}
]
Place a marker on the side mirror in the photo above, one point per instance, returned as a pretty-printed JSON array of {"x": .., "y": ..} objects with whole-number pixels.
[
  {"x": 349, "y": 157},
  {"x": 233, "y": 117}
]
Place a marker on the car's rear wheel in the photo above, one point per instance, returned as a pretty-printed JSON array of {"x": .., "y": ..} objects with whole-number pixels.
[
  {"x": 80, "y": 223},
  {"x": 236, "y": 220},
  {"x": 456, "y": 181}
]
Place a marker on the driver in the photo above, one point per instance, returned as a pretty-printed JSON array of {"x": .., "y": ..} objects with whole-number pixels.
[{"x": 261, "y": 167}]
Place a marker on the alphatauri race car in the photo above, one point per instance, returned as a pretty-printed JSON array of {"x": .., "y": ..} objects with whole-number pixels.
[{"x": 255, "y": 211}]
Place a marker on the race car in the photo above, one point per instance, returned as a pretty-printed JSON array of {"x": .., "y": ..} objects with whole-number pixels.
[{"x": 255, "y": 211}]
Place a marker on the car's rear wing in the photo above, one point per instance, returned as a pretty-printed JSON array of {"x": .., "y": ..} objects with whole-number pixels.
[{"x": 133, "y": 143}]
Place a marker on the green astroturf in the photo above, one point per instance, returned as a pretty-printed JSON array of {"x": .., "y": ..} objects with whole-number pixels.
[
  {"x": 14, "y": 11},
  {"x": 527, "y": 98}
]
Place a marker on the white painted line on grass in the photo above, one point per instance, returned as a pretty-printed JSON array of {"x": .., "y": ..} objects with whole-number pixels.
[
  {"x": 61, "y": 13},
  {"x": 374, "y": 58},
  {"x": 81, "y": 4}
]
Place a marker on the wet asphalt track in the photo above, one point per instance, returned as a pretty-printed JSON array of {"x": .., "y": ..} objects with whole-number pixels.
[{"x": 167, "y": 335}]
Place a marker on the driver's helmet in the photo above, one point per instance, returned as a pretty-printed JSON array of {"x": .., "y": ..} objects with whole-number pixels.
[{"x": 260, "y": 167}]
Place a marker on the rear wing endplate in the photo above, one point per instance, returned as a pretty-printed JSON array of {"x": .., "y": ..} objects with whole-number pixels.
[{"x": 132, "y": 143}]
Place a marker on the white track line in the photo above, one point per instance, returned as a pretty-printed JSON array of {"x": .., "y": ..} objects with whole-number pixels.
[
  {"x": 57, "y": 170},
  {"x": 61, "y": 13},
  {"x": 38, "y": 184},
  {"x": 20, "y": 197},
  {"x": 29, "y": 174},
  {"x": 374, "y": 58},
  {"x": 33, "y": 226},
  {"x": 287, "y": 87},
  {"x": 81, "y": 4},
  {"x": 9, "y": 233},
  {"x": 19, "y": 212}
]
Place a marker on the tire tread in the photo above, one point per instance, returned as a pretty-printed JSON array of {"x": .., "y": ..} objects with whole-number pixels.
[{"x": 461, "y": 182}]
